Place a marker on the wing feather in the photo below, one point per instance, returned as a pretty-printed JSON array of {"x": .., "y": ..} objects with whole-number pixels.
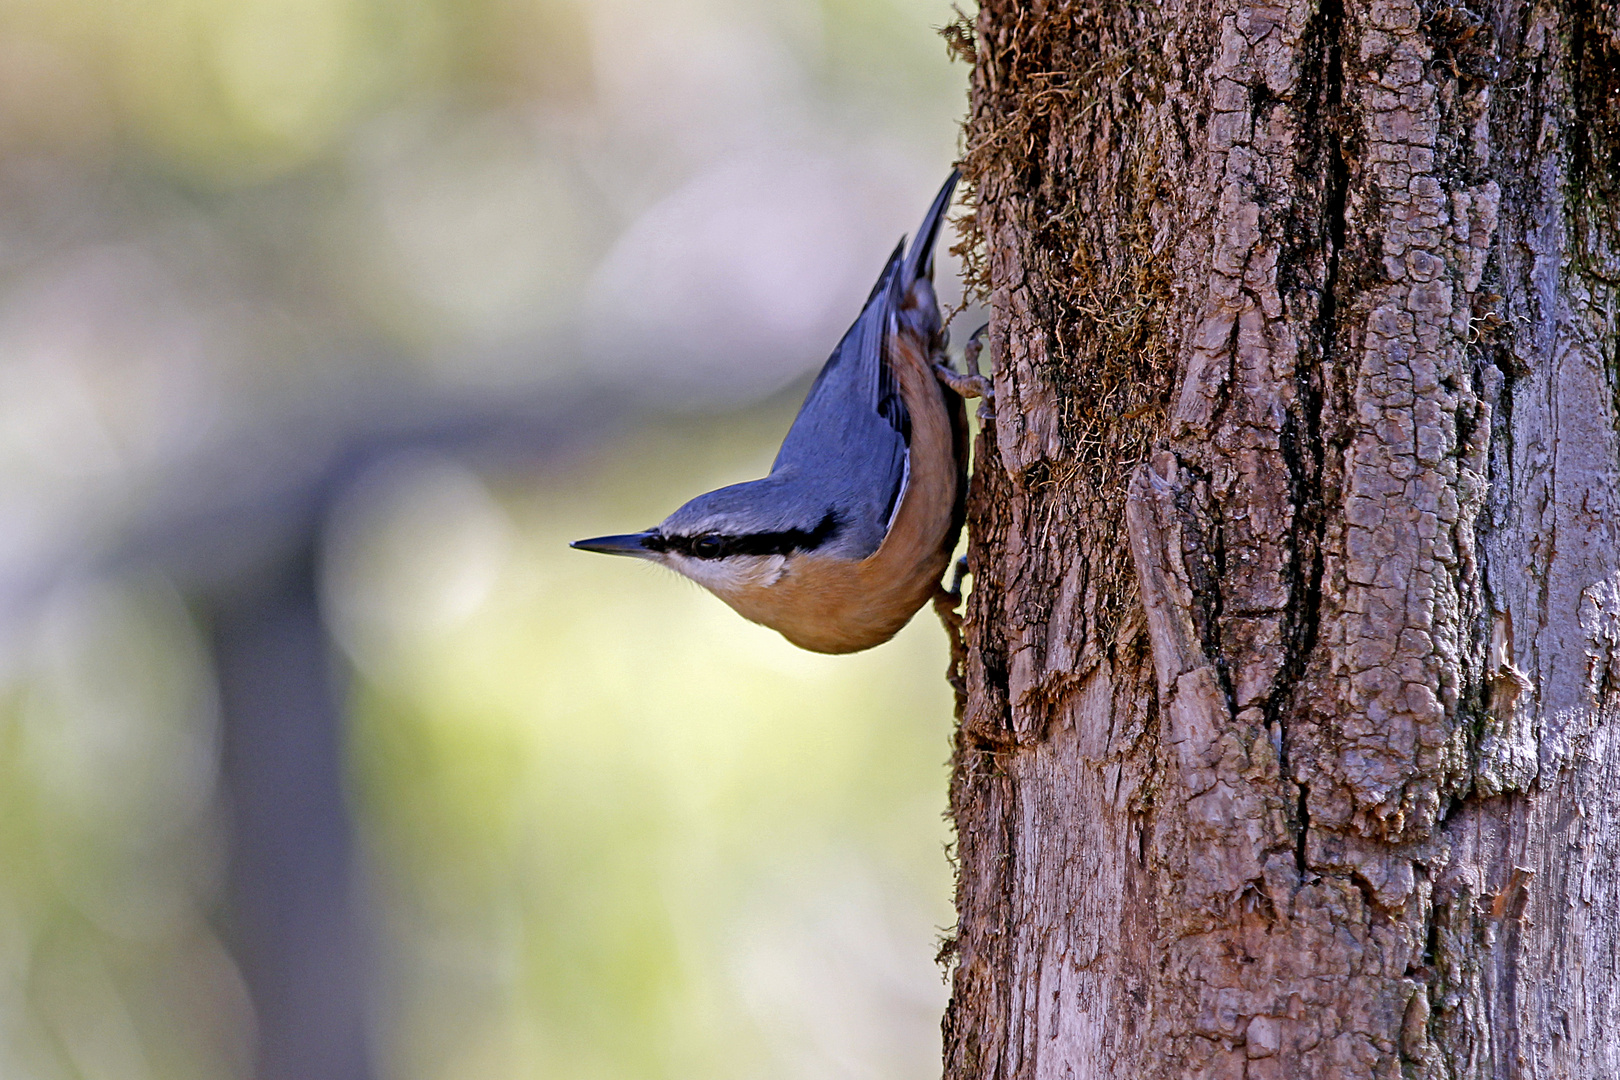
[{"x": 847, "y": 448}]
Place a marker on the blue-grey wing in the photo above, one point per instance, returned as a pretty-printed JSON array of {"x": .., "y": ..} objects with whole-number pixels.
[{"x": 846, "y": 450}]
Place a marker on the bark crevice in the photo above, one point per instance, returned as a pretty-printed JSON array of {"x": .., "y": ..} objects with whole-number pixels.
[{"x": 1304, "y": 546}]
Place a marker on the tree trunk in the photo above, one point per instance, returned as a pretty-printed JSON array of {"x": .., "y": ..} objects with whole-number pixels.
[{"x": 1295, "y": 636}]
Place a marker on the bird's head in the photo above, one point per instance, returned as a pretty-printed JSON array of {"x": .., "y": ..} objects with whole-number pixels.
[{"x": 733, "y": 540}]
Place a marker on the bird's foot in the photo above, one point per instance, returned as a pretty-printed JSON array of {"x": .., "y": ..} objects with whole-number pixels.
[
  {"x": 975, "y": 345},
  {"x": 973, "y": 384},
  {"x": 968, "y": 386},
  {"x": 947, "y": 605}
]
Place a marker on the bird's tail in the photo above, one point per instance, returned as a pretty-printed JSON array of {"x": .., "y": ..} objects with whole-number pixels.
[{"x": 920, "y": 259}]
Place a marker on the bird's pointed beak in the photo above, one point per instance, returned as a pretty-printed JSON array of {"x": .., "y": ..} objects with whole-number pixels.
[{"x": 633, "y": 544}]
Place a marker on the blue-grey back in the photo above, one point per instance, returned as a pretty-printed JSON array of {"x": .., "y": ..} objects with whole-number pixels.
[
  {"x": 846, "y": 453},
  {"x": 847, "y": 447}
]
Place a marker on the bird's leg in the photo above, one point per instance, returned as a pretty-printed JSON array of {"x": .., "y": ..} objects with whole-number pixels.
[
  {"x": 973, "y": 384},
  {"x": 947, "y": 603}
]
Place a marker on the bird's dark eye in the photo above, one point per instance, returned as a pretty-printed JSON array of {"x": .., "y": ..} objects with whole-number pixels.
[{"x": 708, "y": 546}]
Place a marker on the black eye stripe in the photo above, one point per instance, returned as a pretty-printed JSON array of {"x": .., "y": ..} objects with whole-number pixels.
[{"x": 716, "y": 546}]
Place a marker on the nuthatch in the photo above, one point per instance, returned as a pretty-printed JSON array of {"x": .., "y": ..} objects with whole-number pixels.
[{"x": 849, "y": 534}]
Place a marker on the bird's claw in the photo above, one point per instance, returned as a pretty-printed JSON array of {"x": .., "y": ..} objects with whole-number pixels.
[
  {"x": 975, "y": 344},
  {"x": 970, "y": 386},
  {"x": 973, "y": 384},
  {"x": 947, "y": 605}
]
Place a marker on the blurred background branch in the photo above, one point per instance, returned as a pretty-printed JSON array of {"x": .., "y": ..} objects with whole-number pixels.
[{"x": 324, "y": 324}]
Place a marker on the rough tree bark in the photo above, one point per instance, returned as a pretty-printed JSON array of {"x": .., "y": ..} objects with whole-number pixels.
[{"x": 1288, "y": 744}]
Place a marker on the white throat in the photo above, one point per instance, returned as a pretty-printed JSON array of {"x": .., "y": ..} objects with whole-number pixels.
[{"x": 735, "y": 574}]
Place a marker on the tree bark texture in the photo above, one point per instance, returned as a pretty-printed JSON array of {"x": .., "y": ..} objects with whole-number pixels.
[{"x": 1288, "y": 744}]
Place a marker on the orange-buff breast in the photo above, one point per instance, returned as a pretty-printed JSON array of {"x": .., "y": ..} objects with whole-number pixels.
[{"x": 833, "y": 605}]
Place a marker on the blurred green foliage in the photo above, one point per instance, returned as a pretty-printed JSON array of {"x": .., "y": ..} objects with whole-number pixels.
[
  {"x": 611, "y": 830},
  {"x": 619, "y": 831},
  {"x": 236, "y": 92},
  {"x": 109, "y": 844}
]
